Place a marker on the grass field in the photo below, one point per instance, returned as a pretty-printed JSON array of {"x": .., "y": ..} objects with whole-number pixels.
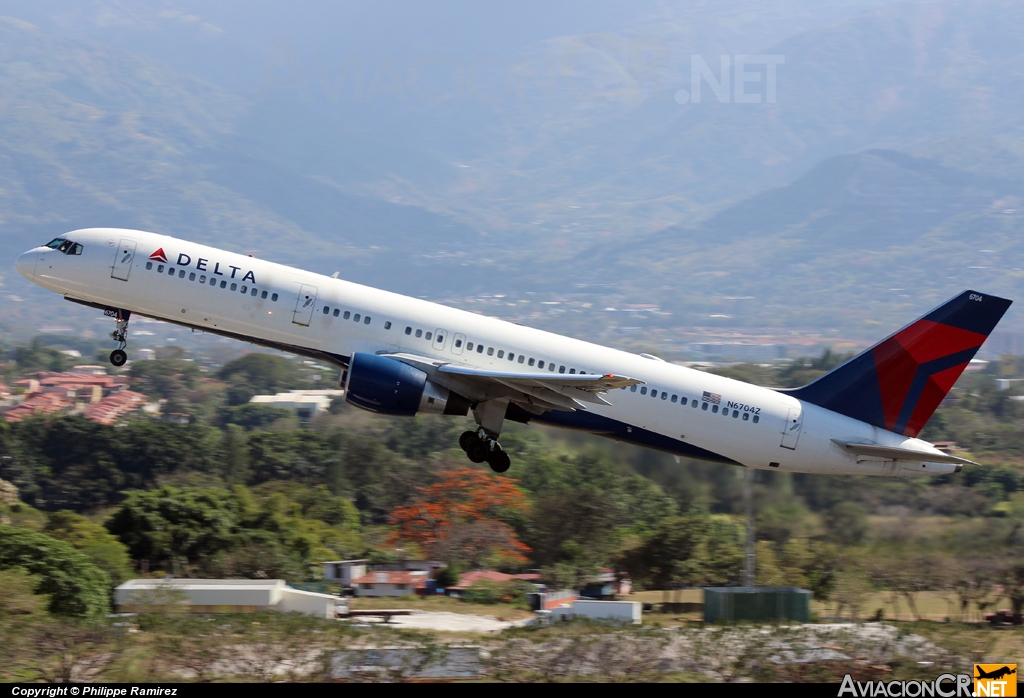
[{"x": 500, "y": 611}]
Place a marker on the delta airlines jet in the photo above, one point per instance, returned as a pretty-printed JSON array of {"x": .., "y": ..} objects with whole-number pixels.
[{"x": 403, "y": 356}]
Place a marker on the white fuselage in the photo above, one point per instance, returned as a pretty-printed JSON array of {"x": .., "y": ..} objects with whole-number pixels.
[{"x": 746, "y": 424}]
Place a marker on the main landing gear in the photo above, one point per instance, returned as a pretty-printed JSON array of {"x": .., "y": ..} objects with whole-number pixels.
[
  {"x": 480, "y": 447},
  {"x": 118, "y": 357}
]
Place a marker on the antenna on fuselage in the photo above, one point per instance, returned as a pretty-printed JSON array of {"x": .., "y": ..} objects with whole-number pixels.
[{"x": 335, "y": 275}]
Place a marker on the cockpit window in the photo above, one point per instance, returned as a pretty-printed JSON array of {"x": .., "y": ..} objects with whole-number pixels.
[
  {"x": 65, "y": 246},
  {"x": 76, "y": 249},
  {"x": 55, "y": 243}
]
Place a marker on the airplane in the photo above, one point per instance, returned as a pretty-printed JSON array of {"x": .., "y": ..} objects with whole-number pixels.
[{"x": 405, "y": 356}]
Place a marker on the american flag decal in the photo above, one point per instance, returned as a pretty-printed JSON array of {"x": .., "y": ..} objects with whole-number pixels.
[{"x": 713, "y": 398}]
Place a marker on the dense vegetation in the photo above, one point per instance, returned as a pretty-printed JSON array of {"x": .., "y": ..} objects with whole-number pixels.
[{"x": 247, "y": 490}]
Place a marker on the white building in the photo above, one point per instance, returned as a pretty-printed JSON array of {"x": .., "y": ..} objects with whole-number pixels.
[
  {"x": 304, "y": 403},
  {"x": 390, "y": 583},
  {"x": 344, "y": 571},
  {"x": 223, "y": 596}
]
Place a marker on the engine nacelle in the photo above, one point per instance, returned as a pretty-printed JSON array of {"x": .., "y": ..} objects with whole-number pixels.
[{"x": 387, "y": 386}]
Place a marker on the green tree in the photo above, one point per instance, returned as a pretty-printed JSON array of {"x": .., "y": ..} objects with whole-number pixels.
[
  {"x": 75, "y": 585},
  {"x": 39, "y": 357},
  {"x": 104, "y": 550},
  {"x": 258, "y": 373},
  {"x": 846, "y": 523}
]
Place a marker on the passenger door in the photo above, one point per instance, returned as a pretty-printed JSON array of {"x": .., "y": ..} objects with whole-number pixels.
[
  {"x": 791, "y": 428},
  {"x": 304, "y": 305},
  {"x": 124, "y": 257}
]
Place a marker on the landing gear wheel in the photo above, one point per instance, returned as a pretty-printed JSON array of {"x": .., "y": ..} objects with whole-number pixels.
[
  {"x": 118, "y": 357},
  {"x": 478, "y": 450},
  {"x": 467, "y": 439},
  {"x": 499, "y": 460}
]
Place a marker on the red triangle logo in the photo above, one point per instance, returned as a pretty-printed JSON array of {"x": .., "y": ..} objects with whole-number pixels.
[{"x": 158, "y": 256}]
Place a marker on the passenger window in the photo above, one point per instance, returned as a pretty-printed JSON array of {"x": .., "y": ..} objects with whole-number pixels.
[
  {"x": 387, "y": 325},
  {"x": 348, "y": 314},
  {"x": 479, "y": 348},
  {"x": 632, "y": 388},
  {"x": 703, "y": 406},
  {"x": 337, "y": 312},
  {"x": 366, "y": 320},
  {"x": 458, "y": 343},
  {"x": 572, "y": 370},
  {"x": 357, "y": 316},
  {"x": 213, "y": 281},
  {"x": 665, "y": 395},
  {"x": 408, "y": 330},
  {"x": 234, "y": 287},
  {"x": 746, "y": 416},
  {"x": 273, "y": 297},
  {"x": 160, "y": 269},
  {"x": 735, "y": 414},
  {"x": 263, "y": 295},
  {"x": 149, "y": 265},
  {"x": 511, "y": 356},
  {"x": 643, "y": 390},
  {"x": 694, "y": 403},
  {"x": 181, "y": 273},
  {"x": 223, "y": 284},
  {"x": 469, "y": 346},
  {"x": 682, "y": 401},
  {"x": 756, "y": 419},
  {"x": 523, "y": 358},
  {"x": 170, "y": 271},
  {"x": 654, "y": 393},
  {"x": 551, "y": 367},
  {"x": 714, "y": 409},
  {"x": 561, "y": 369},
  {"x": 490, "y": 351},
  {"x": 253, "y": 294},
  {"x": 440, "y": 339},
  {"x": 244, "y": 289},
  {"x": 428, "y": 335},
  {"x": 192, "y": 276},
  {"x": 77, "y": 249},
  {"x": 419, "y": 333},
  {"x": 674, "y": 398},
  {"x": 327, "y": 311},
  {"x": 531, "y": 362},
  {"x": 501, "y": 353}
]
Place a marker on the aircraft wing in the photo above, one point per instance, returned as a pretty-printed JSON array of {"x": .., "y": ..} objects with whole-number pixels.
[
  {"x": 530, "y": 389},
  {"x": 892, "y": 453}
]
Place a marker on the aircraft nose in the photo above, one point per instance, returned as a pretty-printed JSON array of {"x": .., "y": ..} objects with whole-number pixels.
[{"x": 26, "y": 264}]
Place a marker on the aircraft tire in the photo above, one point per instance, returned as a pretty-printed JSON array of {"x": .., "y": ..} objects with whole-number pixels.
[
  {"x": 499, "y": 461},
  {"x": 478, "y": 452},
  {"x": 118, "y": 357},
  {"x": 466, "y": 440}
]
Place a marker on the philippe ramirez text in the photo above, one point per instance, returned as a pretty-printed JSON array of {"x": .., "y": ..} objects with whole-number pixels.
[{"x": 104, "y": 691}]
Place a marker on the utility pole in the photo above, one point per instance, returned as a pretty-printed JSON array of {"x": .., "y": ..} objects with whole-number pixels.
[{"x": 748, "y": 496}]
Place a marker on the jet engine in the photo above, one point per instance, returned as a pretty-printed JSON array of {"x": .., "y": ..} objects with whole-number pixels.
[{"x": 387, "y": 386}]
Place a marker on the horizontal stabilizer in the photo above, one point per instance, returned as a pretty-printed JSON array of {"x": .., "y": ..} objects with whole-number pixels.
[{"x": 895, "y": 453}]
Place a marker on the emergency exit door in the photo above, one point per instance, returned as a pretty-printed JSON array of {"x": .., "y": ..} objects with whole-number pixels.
[
  {"x": 304, "y": 305},
  {"x": 791, "y": 428},
  {"x": 124, "y": 258}
]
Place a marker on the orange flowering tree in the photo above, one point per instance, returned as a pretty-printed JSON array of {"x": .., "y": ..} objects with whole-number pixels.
[{"x": 459, "y": 518}]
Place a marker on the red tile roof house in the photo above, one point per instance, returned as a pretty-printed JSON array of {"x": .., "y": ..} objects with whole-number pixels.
[
  {"x": 470, "y": 578},
  {"x": 390, "y": 583}
]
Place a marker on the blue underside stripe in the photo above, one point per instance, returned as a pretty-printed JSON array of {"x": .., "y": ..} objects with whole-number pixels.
[{"x": 582, "y": 420}]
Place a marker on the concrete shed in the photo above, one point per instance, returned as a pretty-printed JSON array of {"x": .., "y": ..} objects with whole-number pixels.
[{"x": 222, "y": 596}]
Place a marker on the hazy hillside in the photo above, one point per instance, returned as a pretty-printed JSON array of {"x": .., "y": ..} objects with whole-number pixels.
[{"x": 563, "y": 163}]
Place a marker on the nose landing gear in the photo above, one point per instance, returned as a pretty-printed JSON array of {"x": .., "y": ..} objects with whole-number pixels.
[
  {"x": 118, "y": 357},
  {"x": 480, "y": 447}
]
